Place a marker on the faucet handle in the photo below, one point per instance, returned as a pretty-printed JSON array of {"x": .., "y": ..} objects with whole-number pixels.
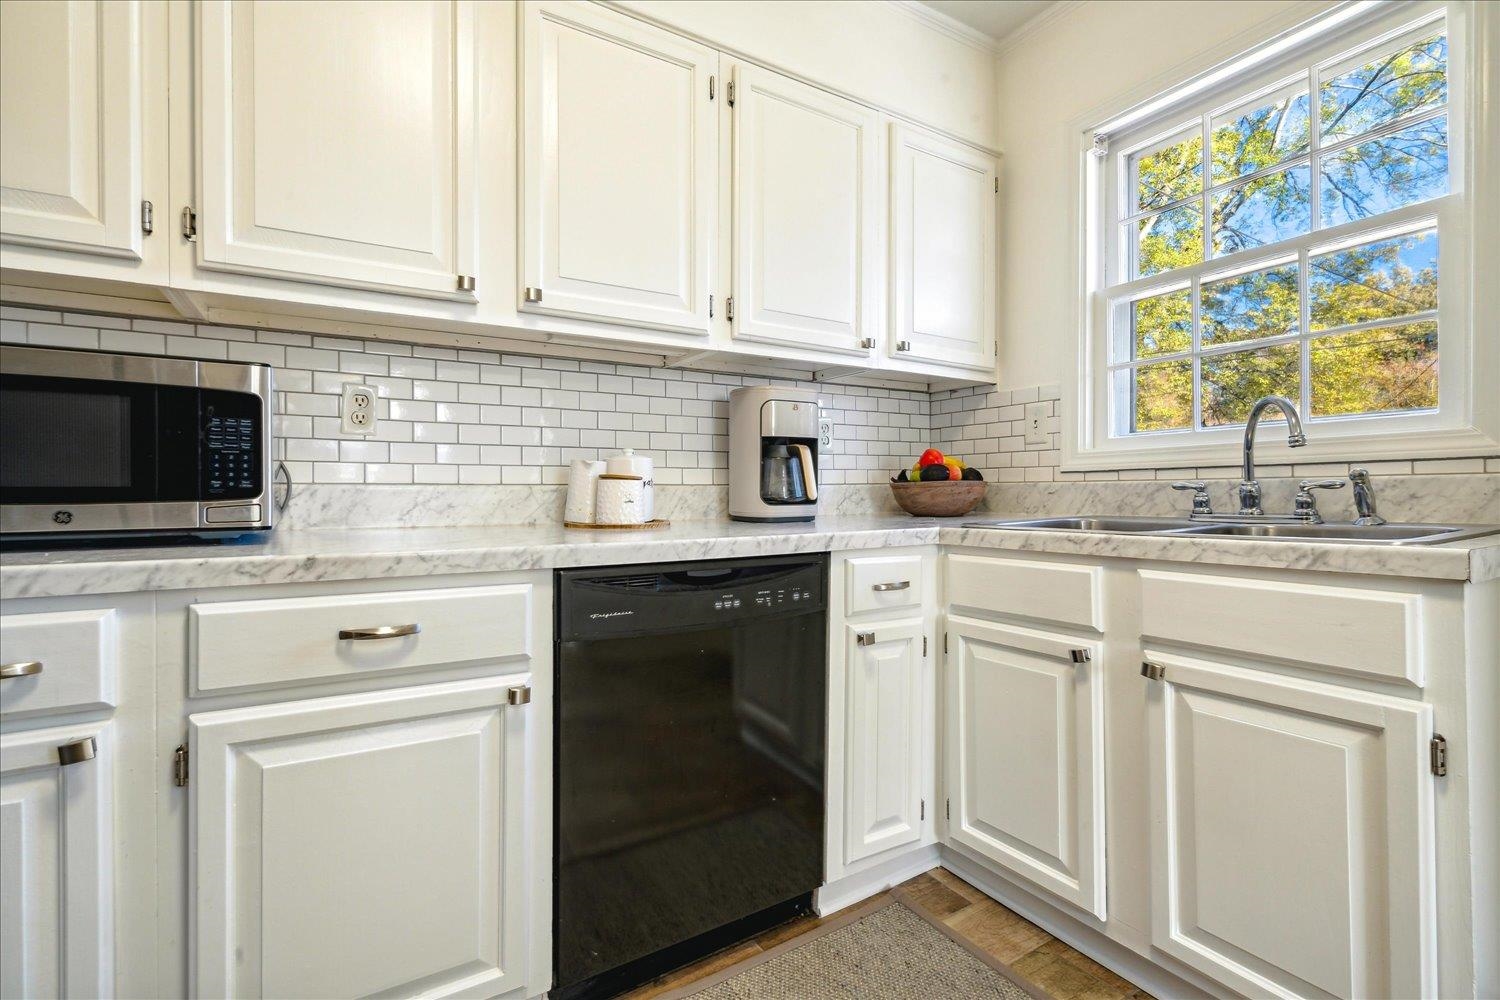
[
  {"x": 1201, "y": 502},
  {"x": 1364, "y": 498},
  {"x": 1305, "y": 506}
]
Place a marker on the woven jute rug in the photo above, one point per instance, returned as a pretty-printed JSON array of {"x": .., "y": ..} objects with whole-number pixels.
[{"x": 888, "y": 953}]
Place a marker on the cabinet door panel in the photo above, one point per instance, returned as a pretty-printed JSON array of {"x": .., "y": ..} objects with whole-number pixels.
[
  {"x": 806, "y": 215},
  {"x": 362, "y": 844},
  {"x": 884, "y": 732},
  {"x": 620, "y": 164},
  {"x": 1025, "y": 758},
  {"x": 1292, "y": 845},
  {"x": 943, "y": 260},
  {"x": 70, "y": 126},
  {"x": 335, "y": 142},
  {"x": 56, "y": 872}
]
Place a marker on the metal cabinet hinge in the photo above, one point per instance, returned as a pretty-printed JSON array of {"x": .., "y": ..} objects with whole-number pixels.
[
  {"x": 947, "y": 809},
  {"x": 1153, "y": 671},
  {"x": 997, "y": 185},
  {"x": 148, "y": 218},
  {"x": 924, "y": 647},
  {"x": 533, "y": 294},
  {"x": 864, "y": 638},
  {"x": 77, "y": 752},
  {"x": 465, "y": 282},
  {"x": 1080, "y": 655},
  {"x": 921, "y": 810},
  {"x": 710, "y": 307},
  {"x": 729, "y": 307},
  {"x": 729, "y": 93},
  {"x": 1437, "y": 749},
  {"x": 519, "y": 695},
  {"x": 945, "y": 643},
  {"x": 180, "y": 766},
  {"x": 710, "y": 88},
  {"x": 189, "y": 224}
]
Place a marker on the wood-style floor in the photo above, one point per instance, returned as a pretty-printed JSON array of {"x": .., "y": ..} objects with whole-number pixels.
[{"x": 1037, "y": 959}]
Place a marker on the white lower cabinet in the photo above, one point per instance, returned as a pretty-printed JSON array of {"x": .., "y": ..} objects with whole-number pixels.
[
  {"x": 363, "y": 844},
  {"x": 57, "y": 849},
  {"x": 1024, "y": 755},
  {"x": 883, "y": 785},
  {"x": 1292, "y": 833}
]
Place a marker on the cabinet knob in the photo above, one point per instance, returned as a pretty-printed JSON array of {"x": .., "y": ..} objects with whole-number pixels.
[
  {"x": 24, "y": 668},
  {"x": 379, "y": 632},
  {"x": 519, "y": 695},
  {"x": 77, "y": 752}
]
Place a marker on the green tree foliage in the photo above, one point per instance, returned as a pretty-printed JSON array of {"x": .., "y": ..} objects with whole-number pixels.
[{"x": 1386, "y": 368}]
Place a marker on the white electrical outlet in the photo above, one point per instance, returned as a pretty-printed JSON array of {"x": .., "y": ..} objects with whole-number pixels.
[
  {"x": 1036, "y": 423},
  {"x": 825, "y": 432},
  {"x": 358, "y": 410}
]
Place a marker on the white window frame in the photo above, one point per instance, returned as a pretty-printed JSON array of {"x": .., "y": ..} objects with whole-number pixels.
[{"x": 1467, "y": 421}]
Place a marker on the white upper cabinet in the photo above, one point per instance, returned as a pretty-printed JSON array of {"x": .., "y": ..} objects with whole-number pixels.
[
  {"x": 71, "y": 121},
  {"x": 619, "y": 164},
  {"x": 368, "y": 844},
  {"x": 943, "y": 251},
  {"x": 807, "y": 216},
  {"x": 1025, "y": 755},
  {"x": 335, "y": 142},
  {"x": 57, "y": 841},
  {"x": 1292, "y": 833}
]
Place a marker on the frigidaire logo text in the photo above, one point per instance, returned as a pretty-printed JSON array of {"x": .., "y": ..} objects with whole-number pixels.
[{"x": 610, "y": 614}]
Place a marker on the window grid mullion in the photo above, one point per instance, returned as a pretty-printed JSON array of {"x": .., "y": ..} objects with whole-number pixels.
[
  {"x": 1304, "y": 322},
  {"x": 1207, "y": 221},
  {"x": 1314, "y": 147},
  {"x": 1195, "y": 417}
]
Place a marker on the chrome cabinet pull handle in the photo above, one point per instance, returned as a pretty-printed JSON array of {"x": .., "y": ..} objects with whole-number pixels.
[
  {"x": 881, "y": 588},
  {"x": 864, "y": 638},
  {"x": 25, "y": 668},
  {"x": 77, "y": 752},
  {"x": 380, "y": 632}
]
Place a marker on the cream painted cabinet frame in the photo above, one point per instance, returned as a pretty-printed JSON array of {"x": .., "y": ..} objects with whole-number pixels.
[
  {"x": 334, "y": 143},
  {"x": 57, "y": 845},
  {"x": 1292, "y": 833},
  {"x": 363, "y": 844},
  {"x": 942, "y": 251},
  {"x": 619, "y": 164},
  {"x": 808, "y": 217},
  {"x": 82, "y": 137},
  {"x": 1024, "y": 755}
]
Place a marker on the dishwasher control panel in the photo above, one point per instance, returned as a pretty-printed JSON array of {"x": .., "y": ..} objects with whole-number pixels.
[{"x": 627, "y": 601}]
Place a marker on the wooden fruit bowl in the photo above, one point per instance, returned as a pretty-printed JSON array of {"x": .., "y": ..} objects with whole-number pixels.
[{"x": 942, "y": 499}]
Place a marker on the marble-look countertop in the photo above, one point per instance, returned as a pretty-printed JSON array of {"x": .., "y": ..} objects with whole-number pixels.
[{"x": 332, "y": 554}]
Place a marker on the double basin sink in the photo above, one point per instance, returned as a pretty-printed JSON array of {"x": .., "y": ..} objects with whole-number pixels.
[{"x": 1381, "y": 534}]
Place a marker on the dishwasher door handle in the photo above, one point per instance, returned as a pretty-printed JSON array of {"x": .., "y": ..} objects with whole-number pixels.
[{"x": 881, "y": 588}]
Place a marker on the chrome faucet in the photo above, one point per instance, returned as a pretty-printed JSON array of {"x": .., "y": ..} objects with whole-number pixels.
[
  {"x": 1249, "y": 486},
  {"x": 1364, "y": 498}
]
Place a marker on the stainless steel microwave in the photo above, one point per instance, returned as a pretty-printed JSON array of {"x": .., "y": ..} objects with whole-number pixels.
[{"x": 95, "y": 444}]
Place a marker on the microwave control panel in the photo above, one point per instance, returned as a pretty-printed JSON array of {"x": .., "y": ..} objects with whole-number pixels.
[{"x": 231, "y": 446}]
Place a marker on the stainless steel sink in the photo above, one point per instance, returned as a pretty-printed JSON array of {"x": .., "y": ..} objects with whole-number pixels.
[
  {"x": 1380, "y": 534},
  {"x": 1089, "y": 523},
  {"x": 1384, "y": 534}
]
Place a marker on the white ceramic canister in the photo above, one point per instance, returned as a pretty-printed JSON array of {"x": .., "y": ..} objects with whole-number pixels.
[
  {"x": 628, "y": 463},
  {"x": 583, "y": 480},
  {"x": 620, "y": 500}
]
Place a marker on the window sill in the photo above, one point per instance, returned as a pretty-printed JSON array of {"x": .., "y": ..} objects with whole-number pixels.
[{"x": 1271, "y": 449}]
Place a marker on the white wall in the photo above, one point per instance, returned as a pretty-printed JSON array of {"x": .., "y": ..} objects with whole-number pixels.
[
  {"x": 852, "y": 46},
  {"x": 1068, "y": 68}
]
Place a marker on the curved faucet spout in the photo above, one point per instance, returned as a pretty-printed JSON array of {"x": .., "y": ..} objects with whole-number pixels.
[{"x": 1249, "y": 488}]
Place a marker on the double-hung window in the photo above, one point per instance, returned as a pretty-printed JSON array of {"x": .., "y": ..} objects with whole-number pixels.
[{"x": 1301, "y": 231}]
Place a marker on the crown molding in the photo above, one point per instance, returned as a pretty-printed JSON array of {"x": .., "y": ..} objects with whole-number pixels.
[
  {"x": 945, "y": 25},
  {"x": 1036, "y": 23}
]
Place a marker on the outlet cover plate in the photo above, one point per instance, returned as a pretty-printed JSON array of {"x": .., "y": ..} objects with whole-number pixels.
[
  {"x": 825, "y": 432},
  {"x": 357, "y": 409},
  {"x": 1036, "y": 423}
]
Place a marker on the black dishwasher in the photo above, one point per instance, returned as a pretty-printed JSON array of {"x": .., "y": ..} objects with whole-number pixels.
[{"x": 691, "y": 713}]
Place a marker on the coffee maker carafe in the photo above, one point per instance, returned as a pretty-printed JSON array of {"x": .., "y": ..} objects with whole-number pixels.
[{"x": 773, "y": 454}]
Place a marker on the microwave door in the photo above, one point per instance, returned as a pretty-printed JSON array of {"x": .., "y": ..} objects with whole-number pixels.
[{"x": 84, "y": 441}]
